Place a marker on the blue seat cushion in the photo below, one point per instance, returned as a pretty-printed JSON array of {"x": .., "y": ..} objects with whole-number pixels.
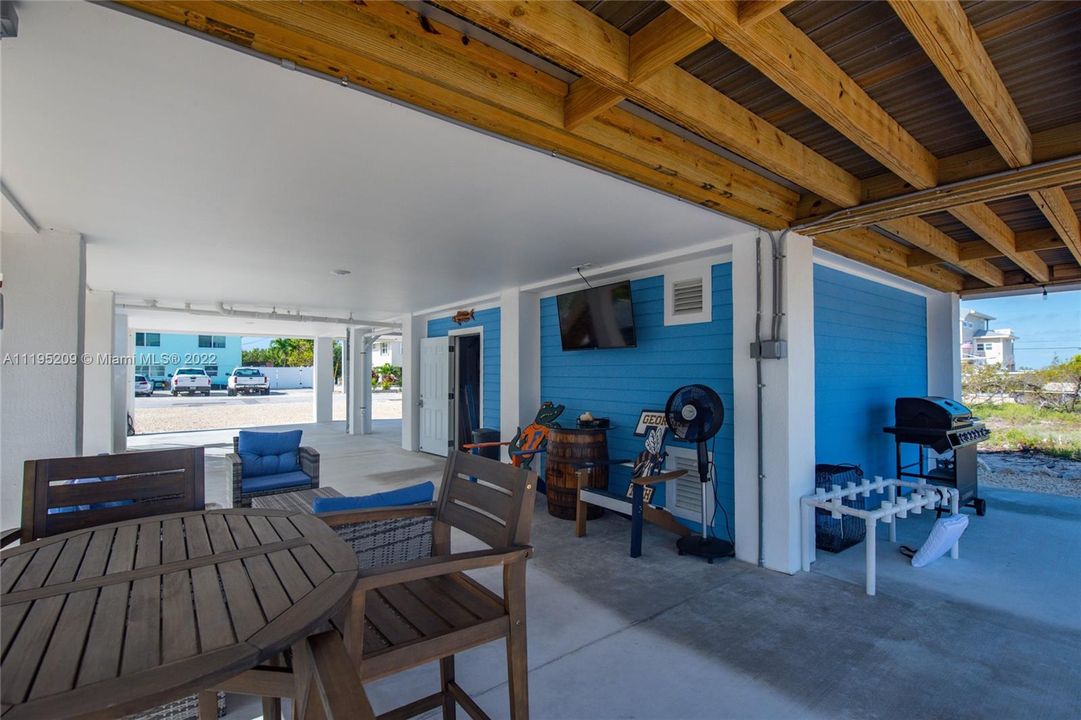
[
  {"x": 412, "y": 495},
  {"x": 268, "y": 453},
  {"x": 278, "y": 481}
]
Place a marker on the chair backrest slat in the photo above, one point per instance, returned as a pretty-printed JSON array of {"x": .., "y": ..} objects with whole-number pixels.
[
  {"x": 146, "y": 483},
  {"x": 487, "y": 499}
]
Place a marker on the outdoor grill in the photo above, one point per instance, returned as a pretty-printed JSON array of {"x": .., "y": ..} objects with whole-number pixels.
[{"x": 947, "y": 429}]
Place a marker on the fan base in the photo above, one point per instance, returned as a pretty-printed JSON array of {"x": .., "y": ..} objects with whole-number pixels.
[{"x": 708, "y": 548}]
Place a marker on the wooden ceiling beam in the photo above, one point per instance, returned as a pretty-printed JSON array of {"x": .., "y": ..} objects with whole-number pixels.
[
  {"x": 1053, "y": 144},
  {"x": 866, "y": 246},
  {"x": 571, "y": 36},
  {"x": 666, "y": 40},
  {"x": 1018, "y": 279},
  {"x": 784, "y": 54},
  {"x": 1028, "y": 241},
  {"x": 978, "y": 190},
  {"x": 1056, "y": 207},
  {"x": 390, "y": 49},
  {"x": 999, "y": 235},
  {"x": 677, "y": 95},
  {"x": 944, "y": 32},
  {"x": 750, "y": 12},
  {"x": 930, "y": 239}
]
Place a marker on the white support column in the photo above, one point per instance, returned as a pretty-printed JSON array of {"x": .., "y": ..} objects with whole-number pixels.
[
  {"x": 359, "y": 398},
  {"x": 98, "y": 374},
  {"x": 123, "y": 383},
  {"x": 360, "y": 382},
  {"x": 944, "y": 344},
  {"x": 788, "y": 405},
  {"x": 519, "y": 367},
  {"x": 413, "y": 329},
  {"x": 323, "y": 379},
  {"x": 40, "y": 402},
  {"x": 345, "y": 366}
]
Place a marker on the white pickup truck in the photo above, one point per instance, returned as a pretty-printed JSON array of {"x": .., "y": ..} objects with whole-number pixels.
[
  {"x": 190, "y": 380},
  {"x": 248, "y": 380}
]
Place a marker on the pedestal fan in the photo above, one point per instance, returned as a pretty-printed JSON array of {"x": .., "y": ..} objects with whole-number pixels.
[{"x": 695, "y": 413}]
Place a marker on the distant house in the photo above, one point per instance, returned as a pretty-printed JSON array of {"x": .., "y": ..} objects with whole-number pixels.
[
  {"x": 158, "y": 355},
  {"x": 386, "y": 350},
  {"x": 980, "y": 345}
]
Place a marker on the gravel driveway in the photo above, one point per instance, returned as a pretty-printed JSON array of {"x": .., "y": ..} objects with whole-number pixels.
[{"x": 164, "y": 413}]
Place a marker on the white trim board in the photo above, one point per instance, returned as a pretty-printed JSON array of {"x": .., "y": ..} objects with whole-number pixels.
[{"x": 474, "y": 330}]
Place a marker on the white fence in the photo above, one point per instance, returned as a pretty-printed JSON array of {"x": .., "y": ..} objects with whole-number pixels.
[{"x": 286, "y": 378}]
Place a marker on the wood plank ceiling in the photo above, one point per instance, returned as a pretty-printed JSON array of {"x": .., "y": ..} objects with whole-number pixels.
[{"x": 939, "y": 141}]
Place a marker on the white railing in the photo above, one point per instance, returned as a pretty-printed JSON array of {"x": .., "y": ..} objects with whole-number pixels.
[{"x": 923, "y": 496}]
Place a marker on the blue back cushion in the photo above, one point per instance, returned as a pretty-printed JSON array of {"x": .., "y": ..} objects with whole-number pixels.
[
  {"x": 269, "y": 453},
  {"x": 412, "y": 495}
]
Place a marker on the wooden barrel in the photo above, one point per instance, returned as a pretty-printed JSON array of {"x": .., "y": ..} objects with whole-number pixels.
[{"x": 568, "y": 448}]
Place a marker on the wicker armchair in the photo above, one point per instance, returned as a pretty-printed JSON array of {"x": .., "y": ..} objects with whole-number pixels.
[{"x": 309, "y": 465}]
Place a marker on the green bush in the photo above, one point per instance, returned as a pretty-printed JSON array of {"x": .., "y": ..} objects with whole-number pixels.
[{"x": 386, "y": 376}]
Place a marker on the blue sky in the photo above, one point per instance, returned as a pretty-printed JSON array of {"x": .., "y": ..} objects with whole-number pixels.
[{"x": 1047, "y": 326}]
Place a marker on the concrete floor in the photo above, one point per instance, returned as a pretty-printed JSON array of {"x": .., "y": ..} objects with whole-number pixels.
[{"x": 996, "y": 634}]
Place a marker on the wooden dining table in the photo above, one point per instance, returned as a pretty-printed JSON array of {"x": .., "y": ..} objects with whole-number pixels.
[{"x": 121, "y": 618}]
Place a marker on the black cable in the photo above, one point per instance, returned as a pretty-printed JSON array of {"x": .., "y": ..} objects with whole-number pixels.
[
  {"x": 712, "y": 473},
  {"x": 579, "y": 271}
]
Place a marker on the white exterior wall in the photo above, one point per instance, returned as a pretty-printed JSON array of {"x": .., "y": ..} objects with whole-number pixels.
[
  {"x": 123, "y": 383},
  {"x": 323, "y": 374},
  {"x": 392, "y": 354},
  {"x": 98, "y": 375},
  {"x": 788, "y": 406},
  {"x": 40, "y": 404},
  {"x": 413, "y": 329},
  {"x": 289, "y": 378},
  {"x": 359, "y": 397},
  {"x": 944, "y": 344},
  {"x": 519, "y": 351}
]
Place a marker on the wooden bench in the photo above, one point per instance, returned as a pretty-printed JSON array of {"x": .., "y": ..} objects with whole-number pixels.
[{"x": 635, "y": 506}]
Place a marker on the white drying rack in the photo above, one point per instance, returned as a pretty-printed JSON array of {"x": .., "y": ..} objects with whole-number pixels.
[{"x": 923, "y": 495}]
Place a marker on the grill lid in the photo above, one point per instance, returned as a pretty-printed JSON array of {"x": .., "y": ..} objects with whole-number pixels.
[{"x": 933, "y": 413}]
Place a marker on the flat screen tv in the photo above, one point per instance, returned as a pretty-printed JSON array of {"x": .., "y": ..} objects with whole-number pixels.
[{"x": 598, "y": 317}]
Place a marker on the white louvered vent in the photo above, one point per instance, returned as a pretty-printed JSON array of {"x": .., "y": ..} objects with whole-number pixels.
[
  {"x": 684, "y": 494},
  {"x": 687, "y": 296},
  {"x": 688, "y": 293}
]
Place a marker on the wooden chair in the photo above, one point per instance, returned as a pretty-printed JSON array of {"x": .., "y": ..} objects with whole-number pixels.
[
  {"x": 645, "y": 474},
  {"x": 405, "y": 614},
  {"x": 145, "y": 484},
  {"x": 120, "y": 487}
]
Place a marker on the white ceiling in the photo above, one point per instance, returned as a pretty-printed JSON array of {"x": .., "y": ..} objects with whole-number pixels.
[{"x": 198, "y": 173}]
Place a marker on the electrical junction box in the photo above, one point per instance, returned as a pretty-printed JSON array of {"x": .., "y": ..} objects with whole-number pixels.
[{"x": 769, "y": 349}]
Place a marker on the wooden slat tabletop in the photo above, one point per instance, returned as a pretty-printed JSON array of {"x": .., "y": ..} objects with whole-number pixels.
[
  {"x": 116, "y": 619},
  {"x": 300, "y": 501}
]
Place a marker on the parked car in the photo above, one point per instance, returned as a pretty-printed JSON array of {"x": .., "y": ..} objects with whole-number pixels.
[
  {"x": 143, "y": 386},
  {"x": 248, "y": 380},
  {"x": 190, "y": 380}
]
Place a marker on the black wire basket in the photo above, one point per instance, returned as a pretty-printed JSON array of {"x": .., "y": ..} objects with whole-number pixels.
[{"x": 833, "y": 534}]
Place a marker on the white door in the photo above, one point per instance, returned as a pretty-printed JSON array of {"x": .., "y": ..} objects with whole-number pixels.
[{"x": 434, "y": 395}]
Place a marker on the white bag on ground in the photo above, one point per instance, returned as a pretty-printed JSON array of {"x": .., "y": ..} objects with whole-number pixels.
[{"x": 943, "y": 535}]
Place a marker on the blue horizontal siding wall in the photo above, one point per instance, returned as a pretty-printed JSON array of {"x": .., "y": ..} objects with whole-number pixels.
[
  {"x": 489, "y": 320},
  {"x": 870, "y": 348},
  {"x": 619, "y": 384}
]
